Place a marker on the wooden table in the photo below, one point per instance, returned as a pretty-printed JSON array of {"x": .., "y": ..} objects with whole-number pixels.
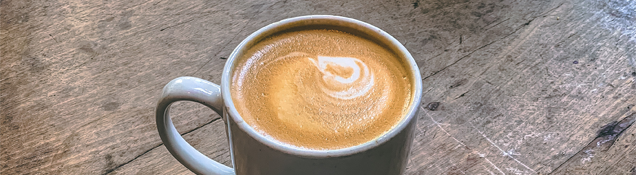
[{"x": 524, "y": 87}]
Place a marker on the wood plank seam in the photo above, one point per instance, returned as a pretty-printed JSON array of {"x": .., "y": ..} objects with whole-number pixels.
[
  {"x": 131, "y": 160},
  {"x": 157, "y": 146},
  {"x": 481, "y": 47},
  {"x": 607, "y": 131},
  {"x": 486, "y": 45}
]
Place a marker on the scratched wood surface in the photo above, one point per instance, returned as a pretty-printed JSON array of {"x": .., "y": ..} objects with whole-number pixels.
[{"x": 510, "y": 87}]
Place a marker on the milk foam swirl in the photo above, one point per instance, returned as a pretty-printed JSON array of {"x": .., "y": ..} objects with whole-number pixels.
[
  {"x": 343, "y": 77},
  {"x": 330, "y": 93}
]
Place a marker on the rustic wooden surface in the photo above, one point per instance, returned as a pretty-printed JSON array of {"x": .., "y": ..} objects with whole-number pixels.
[{"x": 524, "y": 87}]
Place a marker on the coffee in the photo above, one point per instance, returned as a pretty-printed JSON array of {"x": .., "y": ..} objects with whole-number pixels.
[{"x": 321, "y": 89}]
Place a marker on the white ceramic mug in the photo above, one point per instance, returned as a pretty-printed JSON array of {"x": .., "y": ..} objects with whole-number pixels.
[{"x": 252, "y": 153}]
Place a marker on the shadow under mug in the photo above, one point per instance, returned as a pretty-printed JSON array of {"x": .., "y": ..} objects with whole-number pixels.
[{"x": 253, "y": 153}]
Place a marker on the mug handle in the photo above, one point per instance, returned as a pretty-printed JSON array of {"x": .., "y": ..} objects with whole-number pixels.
[{"x": 200, "y": 91}]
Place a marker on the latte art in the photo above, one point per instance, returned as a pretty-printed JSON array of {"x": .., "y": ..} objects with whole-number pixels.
[
  {"x": 320, "y": 89},
  {"x": 325, "y": 93},
  {"x": 350, "y": 77}
]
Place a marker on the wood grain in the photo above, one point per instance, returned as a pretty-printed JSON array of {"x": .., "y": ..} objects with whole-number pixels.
[{"x": 523, "y": 87}]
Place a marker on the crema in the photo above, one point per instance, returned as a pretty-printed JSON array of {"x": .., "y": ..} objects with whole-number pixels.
[{"x": 321, "y": 89}]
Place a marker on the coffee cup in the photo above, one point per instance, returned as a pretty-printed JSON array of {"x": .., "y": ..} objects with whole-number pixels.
[{"x": 377, "y": 144}]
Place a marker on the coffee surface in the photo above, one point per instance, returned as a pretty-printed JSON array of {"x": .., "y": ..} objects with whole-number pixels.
[{"x": 320, "y": 89}]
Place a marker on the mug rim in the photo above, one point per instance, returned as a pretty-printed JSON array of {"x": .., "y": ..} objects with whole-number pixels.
[{"x": 294, "y": 150}]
